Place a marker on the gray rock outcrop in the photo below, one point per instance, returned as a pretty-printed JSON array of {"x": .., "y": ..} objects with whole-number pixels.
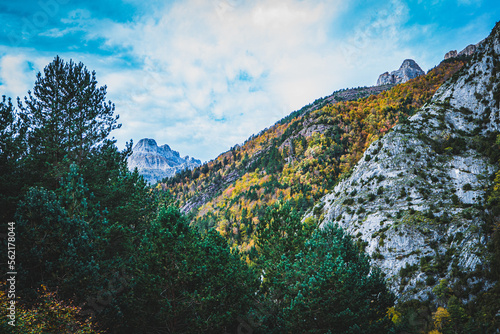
[
  {"x": 468, "y": 51},
  {"x": 450, "y": 54},
  {"x": 415, "y": 199},
  {"x": 407, "y": 71},
  {"x": 157, "y": 162}
]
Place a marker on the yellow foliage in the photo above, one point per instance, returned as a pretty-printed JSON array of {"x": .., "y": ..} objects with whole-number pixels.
[
  {"x": 441, "y": 318},
  {"x": 48, "y": 315},
  {"x": 394, "y": 315}
]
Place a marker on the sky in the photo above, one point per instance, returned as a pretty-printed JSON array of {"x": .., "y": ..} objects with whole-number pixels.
[{"x": 204, "y": 75}]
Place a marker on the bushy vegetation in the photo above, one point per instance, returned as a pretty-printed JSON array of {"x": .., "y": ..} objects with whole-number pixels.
[{"x": 316, "y": 280}]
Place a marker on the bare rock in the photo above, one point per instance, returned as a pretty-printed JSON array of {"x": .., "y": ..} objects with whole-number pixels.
[
  {"x": 157, "y": 162},
  {"x": 407, "y": 71}
]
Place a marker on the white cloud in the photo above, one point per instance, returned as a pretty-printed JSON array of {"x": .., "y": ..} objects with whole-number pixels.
[
  {"x": 211, "y": 73},
  {"x": 233, "y": 67},
  {"x": 17, "y": 75}
]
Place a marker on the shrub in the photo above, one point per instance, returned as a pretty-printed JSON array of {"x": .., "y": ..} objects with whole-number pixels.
[{"x": 467, "y": 187}]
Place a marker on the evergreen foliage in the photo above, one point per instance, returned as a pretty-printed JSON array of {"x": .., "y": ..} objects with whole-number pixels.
[
  {"x": 63, "y": 244},
  {"x": 186, "y": 283},
  {"x": 66, "y": 117},
  {"x": 322, "y": 285},
  {"x": 11, "y": 151}
]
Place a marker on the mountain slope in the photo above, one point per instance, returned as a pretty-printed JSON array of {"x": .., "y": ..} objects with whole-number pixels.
[
  {"x": 299, "y": 158},
  {"x": 416, "y": 201}
]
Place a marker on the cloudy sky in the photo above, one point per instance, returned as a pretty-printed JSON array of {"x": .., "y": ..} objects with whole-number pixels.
[{"x": 204, "y": 75}]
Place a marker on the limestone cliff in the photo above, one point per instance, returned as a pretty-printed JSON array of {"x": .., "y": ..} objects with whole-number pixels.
[
  {"x": 157, "y": 162},
  {"x": 407, "y": 71},
  {"x": 469, "y": 50},
  {"x": 415, "y": 200}
]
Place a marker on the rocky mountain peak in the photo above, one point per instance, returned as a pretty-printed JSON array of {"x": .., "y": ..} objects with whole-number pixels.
[
  {"x": 157, "y": 162},
  {"x": 147, "y": 145},
  {"x": 408, "y": 70},
  {"x": 409, "y": 63}
]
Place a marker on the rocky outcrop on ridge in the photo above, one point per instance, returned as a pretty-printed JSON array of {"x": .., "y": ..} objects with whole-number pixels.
[
  {"x": 157, "y": 162},
  {"x": 407, "y": 71},
  {"x": 468, "y": 51},
  {"x": 416, "y": 198}
]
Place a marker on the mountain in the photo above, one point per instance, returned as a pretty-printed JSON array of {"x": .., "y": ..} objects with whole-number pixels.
[
  {"x": 298, "y": 159},
  {"x": 408, "y": 172},
  {"x": 157, "y": 162},
  {"x": 417, "y": 200},
  {"x": 408, "y": 70}
]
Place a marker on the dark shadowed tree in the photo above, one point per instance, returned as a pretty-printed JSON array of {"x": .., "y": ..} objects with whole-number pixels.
[
  {"x": 66, "y": 115},
  {"x": 11, "y": 151},
  {"x": 187, "y": 282}
]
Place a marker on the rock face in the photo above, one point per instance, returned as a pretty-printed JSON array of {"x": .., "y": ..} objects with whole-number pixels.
[
  {"x": 415, "y": 200},
  {"x": 408, "y": 70},
  {"x": 157, "y": 162},
  {"x": 468, "y": 51},
  {"x": 450, "y": 54}
]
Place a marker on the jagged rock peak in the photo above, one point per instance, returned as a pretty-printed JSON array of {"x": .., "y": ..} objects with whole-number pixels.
[
  {"x": 149, "y": 145},
  {"x": 409, "y": 63},
  {"x": 408, "y": 70},
  {"x": 157, "y": 162},
  {"x": 468, "y": 51},
  {"x": 450, "y": 54}
]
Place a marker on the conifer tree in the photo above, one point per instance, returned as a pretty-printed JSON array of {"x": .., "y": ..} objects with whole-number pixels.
[
  {"x": 187, "y": 282},
  {"x": 11, "y": 151},
  {"x": 67, "y": 115}
]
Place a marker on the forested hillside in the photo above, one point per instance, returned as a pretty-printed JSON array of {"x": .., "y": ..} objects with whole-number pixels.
[
  {"x": 298, "y": 159},
  {"x": 422, "y": 202}
]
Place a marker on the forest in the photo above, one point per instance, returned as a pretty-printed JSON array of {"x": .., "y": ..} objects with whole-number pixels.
[{"x": 98, "y": 250}]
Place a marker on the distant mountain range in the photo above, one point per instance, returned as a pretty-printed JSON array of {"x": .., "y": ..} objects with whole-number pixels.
[{"x": 155, "y": 162}]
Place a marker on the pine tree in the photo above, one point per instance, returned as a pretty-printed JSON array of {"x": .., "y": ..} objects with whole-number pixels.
[
  {"x": 324, "y": 285},
  {"x": 335, "y": 290},
  {"x": 187, "y": 282},
  {"x": 67, "y": 115},
  {"x": 62, "y": 252},
  {"x": 11, "y": 151}
]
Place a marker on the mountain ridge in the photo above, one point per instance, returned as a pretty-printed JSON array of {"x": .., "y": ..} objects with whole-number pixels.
[{"x": 297, "y": 159}]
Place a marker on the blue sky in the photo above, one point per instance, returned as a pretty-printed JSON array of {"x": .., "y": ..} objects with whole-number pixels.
[{"x": 203, "y": 76}]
